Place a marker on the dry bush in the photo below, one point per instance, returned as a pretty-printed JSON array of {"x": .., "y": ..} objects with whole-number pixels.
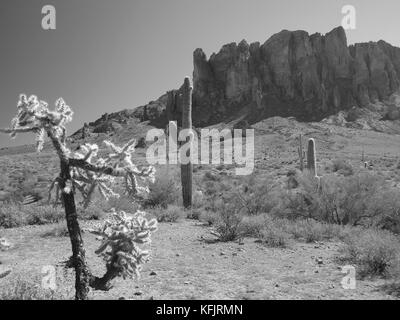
[
  {"x": 22, "y": 289},
  {"x": 363, "y": 199},
  {"x": 170, "y": 214},
  {"x": 342, "y": 167},
  {"x": 228, "y": 221},
  {"x": 56, "y": 231},
  {"x": 11, "y": 216},
  {"x": 211, "y": 176},
  {"x": 310, "y": 230},
  {"x": 375, "y": 252},
  {"x": 15, "y": 215},
  {"x": 39, "y": 215},
  {"x": 275, "y": 237},
  {"x": 163, "y": 192},
  {"x": 208, "y": 217},
  {"x": 255, "y": 195}
]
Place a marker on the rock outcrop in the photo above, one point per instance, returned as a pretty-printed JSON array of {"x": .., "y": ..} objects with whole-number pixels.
[{"x": 292, "y": 74}]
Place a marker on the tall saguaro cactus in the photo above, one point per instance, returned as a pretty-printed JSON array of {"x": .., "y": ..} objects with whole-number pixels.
[
  {"x": 312, "y": 157},
  {"x": 187, "y": 169}
]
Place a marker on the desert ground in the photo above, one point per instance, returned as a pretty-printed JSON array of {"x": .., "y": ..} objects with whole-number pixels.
[{"x": 188, "y": 259}]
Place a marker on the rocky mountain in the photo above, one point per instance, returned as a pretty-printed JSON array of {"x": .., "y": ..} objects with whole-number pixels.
[{"x": 292, "y": 74}]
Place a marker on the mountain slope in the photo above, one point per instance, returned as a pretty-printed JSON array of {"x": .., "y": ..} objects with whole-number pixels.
[{"x": 292, "y": 74}]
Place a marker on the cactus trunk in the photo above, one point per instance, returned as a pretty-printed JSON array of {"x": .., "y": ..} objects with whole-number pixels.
[
  {"x": 312, "y": 157},
  {"x": 300, "y": 150},
  {"x": 187, "y": 169}
]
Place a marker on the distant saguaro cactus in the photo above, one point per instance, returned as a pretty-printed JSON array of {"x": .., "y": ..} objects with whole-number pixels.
[
  {"x": 187, "y": 169},
  {"x": 312, "y": 157},
  {"x": 301, "y": 155}
]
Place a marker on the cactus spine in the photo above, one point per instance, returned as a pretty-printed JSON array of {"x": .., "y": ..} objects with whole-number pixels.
[
  {"x": 312, "y": 157},
  {"x": 187, "y": 169}
]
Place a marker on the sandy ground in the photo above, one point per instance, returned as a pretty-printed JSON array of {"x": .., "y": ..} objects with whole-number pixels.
[{"x": 187, "y": 264}]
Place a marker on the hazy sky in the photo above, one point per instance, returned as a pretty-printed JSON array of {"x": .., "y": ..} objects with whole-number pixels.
[{"x": 105, "y": 56}]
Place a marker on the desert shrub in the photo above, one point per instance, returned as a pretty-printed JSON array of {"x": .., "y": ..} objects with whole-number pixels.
[
  {"x": 353, "y": 114},
  {"x": 275, "y": 237},
  {"x": 21, "y": 289},
  {"x": 374, "y": 251},
  {"x": 311, "y": 231},
  {"x": 208, "y": 217},
  {"x": 228, "y": 222},
  {"x": 170, "y": 214},
  {"x": 253, "y": 226},
  {"x": 97, "y": 210},
  {"x": 271, "y": 231},
  {"x": 15, "y": 215},
  {"x": 198, "y": 199},
  {"x": 255, "y": 195},
  {"x": 210, "y": 176},
  {"x": 392, "y": 113},
  {"x": 11, "y": 216},
  {"x": 124, "y": 203},
  {"x": 163, "y": 192},
  {"x": 56, "y": 231},
  {"x": 23, "y": 182},
  {"x": 342, "y": 167},
  {"x": 362, "y": 199},
  {"x": 38, "y": 215},
  {"x": 252, "y": 195},
  {"x": 194, "y": 214}
]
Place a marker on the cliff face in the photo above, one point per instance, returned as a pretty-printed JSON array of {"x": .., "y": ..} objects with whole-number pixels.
[{"x": 291, "y": 74}]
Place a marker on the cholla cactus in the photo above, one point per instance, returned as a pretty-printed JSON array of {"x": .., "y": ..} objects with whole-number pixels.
[
  {"x": 86, "y": 171},
  {"x": 34, "y": 115},
  {"x": 123, "y": 234}
]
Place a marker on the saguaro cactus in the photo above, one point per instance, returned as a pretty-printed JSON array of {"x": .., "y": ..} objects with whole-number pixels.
[
  {"x": 301, "y": 155},
  {"x": 187, "y": 169},
  {"x": 312, "y": 157}
]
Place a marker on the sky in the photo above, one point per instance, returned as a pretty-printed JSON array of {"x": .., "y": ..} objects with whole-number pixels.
[{"x": 105, "y": 56}]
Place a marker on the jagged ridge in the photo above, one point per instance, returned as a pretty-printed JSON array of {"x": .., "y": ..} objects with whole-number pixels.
[{"x": 291, "y": 74}]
